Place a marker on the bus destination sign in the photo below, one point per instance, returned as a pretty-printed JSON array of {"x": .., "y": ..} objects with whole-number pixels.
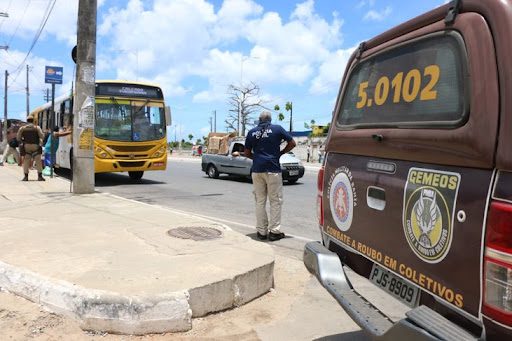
[{"x": 130, "y": 90}]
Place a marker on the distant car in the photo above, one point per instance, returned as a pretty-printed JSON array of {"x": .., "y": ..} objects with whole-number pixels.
[{"x": 235, "y": 163}]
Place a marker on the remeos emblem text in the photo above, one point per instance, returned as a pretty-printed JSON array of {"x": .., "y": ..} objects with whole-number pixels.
[{"x": 429, "y": 204}]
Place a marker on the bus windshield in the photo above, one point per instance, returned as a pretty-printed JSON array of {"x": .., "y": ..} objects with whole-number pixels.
[{"x": 123, "y": 120}]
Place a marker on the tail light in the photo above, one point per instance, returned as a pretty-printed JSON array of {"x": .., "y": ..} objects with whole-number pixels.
[
  {"x": 319, "y": 198},
  {"x": 497, "y": 296}
]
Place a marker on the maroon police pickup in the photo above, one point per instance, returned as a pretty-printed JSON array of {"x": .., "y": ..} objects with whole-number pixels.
[{"x": 416, "y": 189}]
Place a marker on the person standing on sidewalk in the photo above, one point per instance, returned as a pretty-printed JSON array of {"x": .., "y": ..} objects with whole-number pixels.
[
  {"x": 31, "y": 138},
  {"x": 10, "y": 148},
  {"x": 262, "y": 145}
]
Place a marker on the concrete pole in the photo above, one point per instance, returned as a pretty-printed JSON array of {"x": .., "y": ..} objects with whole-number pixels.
[
  {"x": 52, "y": 124},
  {"x": 291, "y": 117},
  {"x": 215, "y": 120},
  {"x": 4, "y": 132},
  {"x": 84, "y": 104},
  {"x": 28, "y": 94}
]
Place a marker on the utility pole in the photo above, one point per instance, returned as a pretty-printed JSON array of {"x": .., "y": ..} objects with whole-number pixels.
[
  {"x": 215, "y": 120},
  {"x": 28, "y": 94},
  {"x": 5, "y": 15},
  {"x": 47, "y": 96},
  {"x": 211, "y": 127},
  {"x": 291, "y": 116},
  {"x": 4, "y": 132},
  {"x": 83, "y": 106}
]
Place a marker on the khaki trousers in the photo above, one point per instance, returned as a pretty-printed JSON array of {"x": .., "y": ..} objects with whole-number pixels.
[
  {"x": 27, "y": 159},
  {"x": 268, "y": 185}
]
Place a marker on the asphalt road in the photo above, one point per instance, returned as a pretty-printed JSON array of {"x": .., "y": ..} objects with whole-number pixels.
[{"x": 229, "y": 199}]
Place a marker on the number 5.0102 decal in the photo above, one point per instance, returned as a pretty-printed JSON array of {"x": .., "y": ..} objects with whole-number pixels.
[{"x": 403, "y": 87}]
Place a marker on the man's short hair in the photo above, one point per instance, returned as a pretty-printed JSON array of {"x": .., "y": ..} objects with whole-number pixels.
[{"x": 265, "y": 116}]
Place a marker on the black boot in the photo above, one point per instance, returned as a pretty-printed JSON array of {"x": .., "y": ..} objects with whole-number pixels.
[
  {"x": 25, "y": 178},
  {"x": 40, "y": 177}
]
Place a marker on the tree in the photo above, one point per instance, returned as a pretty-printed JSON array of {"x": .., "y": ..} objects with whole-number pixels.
[
  {"x": 288, "y": 107},
  {"x": 190, "y": 137},
  {"x": 246, "y": 101},
  {"x": 310, "y": 125}
]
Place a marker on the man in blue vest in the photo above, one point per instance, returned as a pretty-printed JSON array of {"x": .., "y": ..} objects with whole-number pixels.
[{"x": 263, "y": 146}]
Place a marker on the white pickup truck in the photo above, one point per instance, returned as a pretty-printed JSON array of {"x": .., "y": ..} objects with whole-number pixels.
[{"x": 235, "y": 163}]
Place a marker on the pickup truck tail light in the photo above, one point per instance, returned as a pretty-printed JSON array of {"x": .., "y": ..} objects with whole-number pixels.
[
  {"x": 497, "y": 295},
  {"x": 319, "y": 198}
]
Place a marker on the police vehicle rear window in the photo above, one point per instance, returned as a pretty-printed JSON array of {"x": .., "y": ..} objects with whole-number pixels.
[{"x": 417, "y": 84}]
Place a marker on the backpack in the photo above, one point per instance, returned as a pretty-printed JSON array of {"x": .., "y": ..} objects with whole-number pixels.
[{"x": 13, "y": 143}]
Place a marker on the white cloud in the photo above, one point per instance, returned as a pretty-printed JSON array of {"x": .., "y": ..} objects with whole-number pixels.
[
  {"x": 187, "y": 38},
  {"x": 331, "y": 72},
  {"x": 364, "y": 3},
  {"x": 25, "y": 17},
  {"x": 376, "y": 15},
  {"x": 232, "y": 18}
]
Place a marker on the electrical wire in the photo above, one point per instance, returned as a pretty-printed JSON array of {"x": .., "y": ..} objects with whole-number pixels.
[
  {"x": 7, "y": 11},
  {"x": 36, "y": 38},
  {"x": 19, "y": 23}
]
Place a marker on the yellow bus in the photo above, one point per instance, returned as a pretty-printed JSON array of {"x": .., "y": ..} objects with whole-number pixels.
[{"x": 130, "y": 128}]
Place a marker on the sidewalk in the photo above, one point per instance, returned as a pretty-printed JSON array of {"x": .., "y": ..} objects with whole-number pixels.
[{"x": 111, "y": 264}]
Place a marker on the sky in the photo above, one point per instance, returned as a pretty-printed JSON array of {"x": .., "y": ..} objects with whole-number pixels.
[{"x": 295, "y": 51}]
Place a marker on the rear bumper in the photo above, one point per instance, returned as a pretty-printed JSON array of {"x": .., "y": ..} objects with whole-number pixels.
[{"x": 421, "y": 323}]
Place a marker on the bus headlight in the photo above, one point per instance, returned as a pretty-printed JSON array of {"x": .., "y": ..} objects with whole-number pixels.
[
  {"x": 161, "y": 151},
  {"x": 101, "y": 153}
]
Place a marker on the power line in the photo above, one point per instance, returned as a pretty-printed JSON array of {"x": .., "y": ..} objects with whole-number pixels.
[
  {"x": 7, "y": 11},
  {"x": 19, "y": 23},
  {"x": 36, "y": 38}
]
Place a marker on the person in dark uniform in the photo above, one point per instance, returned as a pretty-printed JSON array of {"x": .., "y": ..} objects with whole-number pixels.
[
  {"x": 31, "y": 138},
  {"x": 263, "y": 146}
]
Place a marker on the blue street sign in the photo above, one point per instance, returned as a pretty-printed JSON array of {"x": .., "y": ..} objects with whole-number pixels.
[{"x": 53, "y": 74}]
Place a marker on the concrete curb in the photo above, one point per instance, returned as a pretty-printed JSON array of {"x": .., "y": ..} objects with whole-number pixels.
[{"x": 114, "y": 313}]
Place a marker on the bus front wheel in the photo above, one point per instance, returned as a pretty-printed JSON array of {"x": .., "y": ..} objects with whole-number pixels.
[{"x": 135, "y": 175}]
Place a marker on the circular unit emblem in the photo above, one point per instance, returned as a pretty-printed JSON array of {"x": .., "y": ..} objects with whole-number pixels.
[
  {"x": 341, "y": 201},
  {"x": 427, "y": 224}
]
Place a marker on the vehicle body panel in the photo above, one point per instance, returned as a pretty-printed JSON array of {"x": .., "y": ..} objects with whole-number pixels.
[
  {"x": 381, "y": 235},
  {"x": 388, "y": 188},
  {"x": 235, "y": 163},
  {"x": 471, "y": 145}
]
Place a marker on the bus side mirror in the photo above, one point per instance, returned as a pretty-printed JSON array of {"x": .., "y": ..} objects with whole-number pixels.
[{"x": 168, "y": 119}]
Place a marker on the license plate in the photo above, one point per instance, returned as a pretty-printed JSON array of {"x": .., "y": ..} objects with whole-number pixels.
[
  {"x": 294, "y": 172},
  {"x": 395, "y": 286}
]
